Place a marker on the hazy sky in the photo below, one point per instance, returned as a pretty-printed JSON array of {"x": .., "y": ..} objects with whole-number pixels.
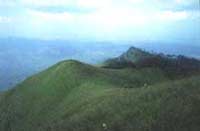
[{"x": 129, "y": 20}]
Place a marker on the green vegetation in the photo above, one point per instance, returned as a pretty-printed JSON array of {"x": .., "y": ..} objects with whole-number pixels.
[
  {"x": 173, "y": 66},
  {"x": 73, "y": 96}
]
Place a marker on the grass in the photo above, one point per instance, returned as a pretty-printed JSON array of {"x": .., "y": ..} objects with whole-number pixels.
[{"x": 74, "y": 96}]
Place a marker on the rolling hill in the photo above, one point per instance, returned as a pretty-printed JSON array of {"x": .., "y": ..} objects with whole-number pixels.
[
  {"x": 30, "y": 56},
  {"x": 75, "y": 96},
  {"x": 21, "y": 58}
]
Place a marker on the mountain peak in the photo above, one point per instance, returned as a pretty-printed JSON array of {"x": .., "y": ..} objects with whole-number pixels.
[
  {"x": 174, "y": 66},
  {"x": 132, "y": 49},
  {"x": 128, "y": 59},
  {"x": 134, "y": 54},
  {"x": 70, "y": 62},
  {"x": 71, "y": 66}
]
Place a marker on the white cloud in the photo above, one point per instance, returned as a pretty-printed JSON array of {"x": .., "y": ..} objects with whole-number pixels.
[
  {"x": 4, "y": 19},
  {"x": 94, "y": 3},
  {"x": 179, "y": 1},
  {"x": 7, "y": 3},
  {"x": 185, "y": 2},
  {"x": 109, "y": 17},
  {"x": 68, "y": 3},
  {"x": 136, "y": 1},
  {"x": 46, "y": 16},
  {"x": 98, "y": 3},
  {"x": 48, "y": 3},
  {"x": 172, "y": 15}
]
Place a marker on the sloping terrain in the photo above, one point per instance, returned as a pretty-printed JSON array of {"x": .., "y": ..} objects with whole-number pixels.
[
  {"x": 174, "y": 66},
  {"x": 73, "y": 96},
  {"x": 21, "y": 58}
]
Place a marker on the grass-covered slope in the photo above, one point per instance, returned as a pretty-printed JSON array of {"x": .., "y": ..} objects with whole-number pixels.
[{"x": 72, "y": 96}]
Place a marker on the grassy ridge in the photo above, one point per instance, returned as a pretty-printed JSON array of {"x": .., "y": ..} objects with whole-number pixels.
[
  {"x": 174, "y": 66},
  {"x": 74, "y": 96}
]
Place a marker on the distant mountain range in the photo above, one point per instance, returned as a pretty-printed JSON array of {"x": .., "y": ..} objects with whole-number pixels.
[{"x": 175, "y": 66}]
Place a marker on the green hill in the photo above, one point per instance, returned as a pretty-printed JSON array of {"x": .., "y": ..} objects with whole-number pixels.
[{"x": 73, "y": 96}]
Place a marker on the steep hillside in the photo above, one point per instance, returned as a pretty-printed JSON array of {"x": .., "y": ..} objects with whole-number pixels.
[
  {"x": 30, "y": 56},
  {"x": 74, "y": 96},
  {"x": 134, "y": 55},
  {"x": 1, "y": 95},
  {"x": 173, "y": 66}
]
